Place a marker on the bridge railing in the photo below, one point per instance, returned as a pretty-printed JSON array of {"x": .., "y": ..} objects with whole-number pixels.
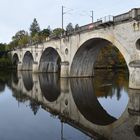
[
  {"x": 105, "y": 19},
  {"x": 84, "y": 28},
  {"x": 122, "y": 17}
]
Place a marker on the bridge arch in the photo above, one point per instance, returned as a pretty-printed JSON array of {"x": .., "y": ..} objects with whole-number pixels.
[
  {"x": 50, "y": 61},
  {"x": 15, "y": 59},
  {"x": 27, "y": 62},
  {"x": 84, "y": 58}
]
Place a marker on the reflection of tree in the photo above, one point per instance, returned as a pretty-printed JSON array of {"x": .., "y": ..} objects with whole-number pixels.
[
  {"x": 14, "y": 77},
  {"x": 108, "y": 83},
  {"x": 19, "y": 96},
  {"x": 22, "y": 98},
  {"x": 2, "y": 85},
  {"x": 35, "y": 106},
  {"x": 5, "y": 78}
]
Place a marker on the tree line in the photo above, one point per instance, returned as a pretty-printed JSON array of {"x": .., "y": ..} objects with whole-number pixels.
[{"x": 35, "y": 35}]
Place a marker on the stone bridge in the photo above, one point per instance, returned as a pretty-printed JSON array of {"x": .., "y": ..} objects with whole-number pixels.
[{"x": 73, "y": 54}]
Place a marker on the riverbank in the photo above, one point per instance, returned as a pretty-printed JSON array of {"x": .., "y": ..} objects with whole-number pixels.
[{"x": 6, "y": 63}]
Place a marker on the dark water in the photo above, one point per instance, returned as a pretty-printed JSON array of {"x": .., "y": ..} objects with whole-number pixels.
[{"x": 45, "y": 107}]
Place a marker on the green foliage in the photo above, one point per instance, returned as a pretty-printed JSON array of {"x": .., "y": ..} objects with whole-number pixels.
[
  {"x": 57, "y": 32},
  {"x": 21, "y": 38},
  {"x": 24, "y": 40},
  {"x": 110, "y": 57},
  {"x": 2, "y": 47},
  {"x": 44, "y": 34},
  {"x": 34, "y": 28},
  {"x": 76, "y": 27},
  {"x": 36, "y": 39},
  {"x": 19, "y": 35},
  {"x": 69, "y": 27},
  {"x": 5, "y": 62}
]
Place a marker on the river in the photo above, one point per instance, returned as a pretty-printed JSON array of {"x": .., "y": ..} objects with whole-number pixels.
[{"x": 46, "y": 107}]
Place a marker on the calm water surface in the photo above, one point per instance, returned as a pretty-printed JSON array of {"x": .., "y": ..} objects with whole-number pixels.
[{"x": 45, "y": 107}]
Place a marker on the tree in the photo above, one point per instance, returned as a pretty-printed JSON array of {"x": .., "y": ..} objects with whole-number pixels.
[
  {"x": 69, "y": 27},
  {"x": 21, "y": 38},
  {"x": 19, "y": 35},
  {"x": 36, "y": 39},
  {"x": 44, "y": 34},
  {"x": 57, "y": 31},
  {"x": 2, "y": 47},
  {"x": 12, "y": 44},
  {"x": 24, "y": 40},
  {"x": 76, "y": 27},
  {"x": 34, "y": 28}
]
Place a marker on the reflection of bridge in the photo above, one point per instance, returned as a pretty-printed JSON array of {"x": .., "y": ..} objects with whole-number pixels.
[
  {"x": 74, "y": 54},
  {"x": 75, "y": 105}
]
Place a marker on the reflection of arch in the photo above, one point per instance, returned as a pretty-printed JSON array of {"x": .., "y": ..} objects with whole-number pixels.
[
  {"x": 87, "y": 102},
  {"x": 50, "y": 61},
  {"x": 27, "y": 80},
  {"x": 27, "y": 61},
  {"x": 50, "y": 86},
  {"x": 85, "y": 57},
  {"x": 15, "y": 60}
]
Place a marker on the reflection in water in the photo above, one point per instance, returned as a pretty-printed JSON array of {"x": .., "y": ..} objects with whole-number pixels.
[
  {"x": 84, "y": 96},
  {"x": 50, "y": 86},
  {"x": 111, "y": 90},
  {"x": 110, "y": 83},
  {"x": 137, "y": 130},
  {"x": 82, "y": 103},
  {"x": 5, "y": 78},
  {"x": 27, "y": 80},
  {"x": 15, "y": 77},
  {"x": 2, "y": 86}
]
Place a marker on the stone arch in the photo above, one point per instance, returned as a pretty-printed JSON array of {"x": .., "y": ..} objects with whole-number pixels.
[
  {"x": 84, "y": 59},
  {"x": 50, "y": 61},
  {"x": 15, "y": 60},
  {"x": 28, "y": 60}
]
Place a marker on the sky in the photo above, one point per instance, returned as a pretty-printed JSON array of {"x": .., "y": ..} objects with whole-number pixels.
[{"x": 18, "y": 15}]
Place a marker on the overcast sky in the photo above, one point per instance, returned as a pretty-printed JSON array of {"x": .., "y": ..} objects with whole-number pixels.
[{"x": 19, "y": 14}]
